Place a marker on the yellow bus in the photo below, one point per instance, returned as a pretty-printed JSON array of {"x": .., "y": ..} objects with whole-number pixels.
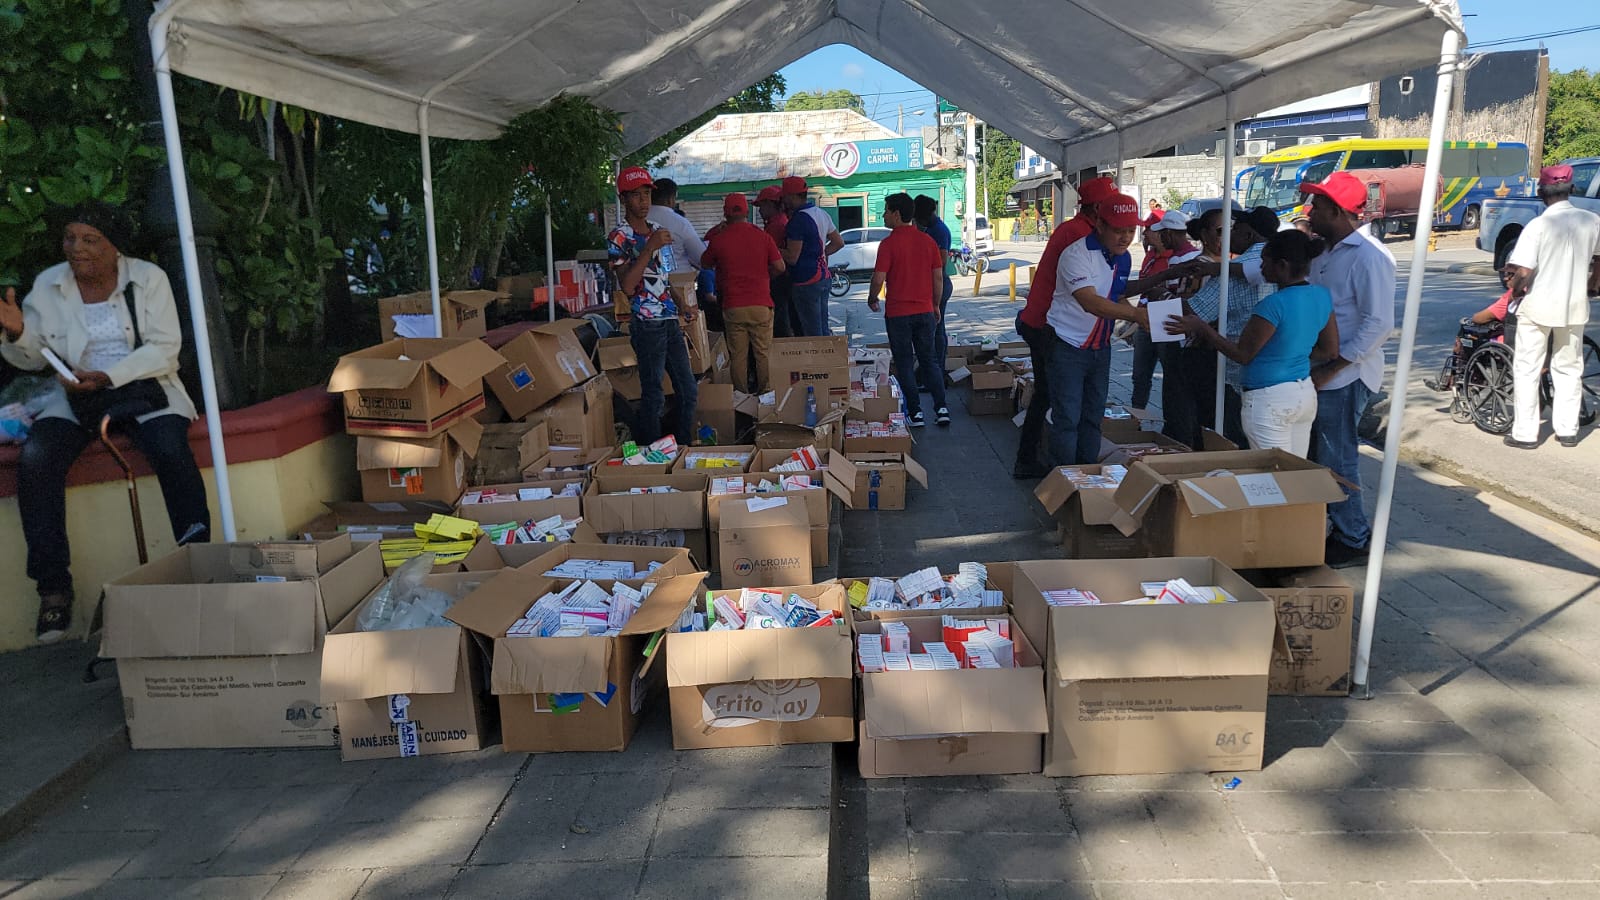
[{"x": 1471, "y": 171}]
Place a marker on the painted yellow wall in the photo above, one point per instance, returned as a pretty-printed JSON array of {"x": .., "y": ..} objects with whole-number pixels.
[
  {"x": 1003, "y": 228},
  {"x": 270, "y": 497}
]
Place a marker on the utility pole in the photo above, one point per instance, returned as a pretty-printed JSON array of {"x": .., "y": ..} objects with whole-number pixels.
[
  {"x": 970, "y": 210},
  {"x": 900, "y": 120},
  {"x": 984, "y": 150}
]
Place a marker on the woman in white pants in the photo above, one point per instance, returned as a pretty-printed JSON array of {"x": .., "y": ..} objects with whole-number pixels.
[{"x": 1290, "y": 329}]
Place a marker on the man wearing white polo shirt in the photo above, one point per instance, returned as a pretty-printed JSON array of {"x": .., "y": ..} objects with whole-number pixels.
[
  {"x": 1554, "y": 268},
  {"x": 1090, "y": 277}
]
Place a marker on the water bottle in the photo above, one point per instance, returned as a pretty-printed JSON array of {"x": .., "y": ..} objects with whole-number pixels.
[
  {"x": 811, "y": 406},
  {"x": 665, "y": 255}
]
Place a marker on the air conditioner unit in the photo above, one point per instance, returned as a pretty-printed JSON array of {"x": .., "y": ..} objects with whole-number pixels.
[{"x": 1256, "y": 148}]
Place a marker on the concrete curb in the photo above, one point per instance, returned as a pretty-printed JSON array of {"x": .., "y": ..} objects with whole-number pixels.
[
  {"x": 1473, "y": 268},
  {"x": 68, "y": 779}
]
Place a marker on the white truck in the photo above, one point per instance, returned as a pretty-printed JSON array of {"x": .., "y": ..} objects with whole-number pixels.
[{"x": 1504, "y": 218}]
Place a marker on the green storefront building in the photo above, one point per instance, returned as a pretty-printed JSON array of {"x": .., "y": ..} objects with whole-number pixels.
[{"x": 850, "y": 162}]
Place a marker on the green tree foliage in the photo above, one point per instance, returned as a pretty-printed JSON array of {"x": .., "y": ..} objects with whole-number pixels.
[
  {"x": 838, "y": 98},
  {"x": 1572, "y": 118},
  {"x": 763, "y": 96},
  {"x": 1001, "y": 151}
]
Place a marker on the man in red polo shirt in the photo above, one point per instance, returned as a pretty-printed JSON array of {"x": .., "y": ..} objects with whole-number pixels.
[
  {"x": 911, "y": 266},
  {"x": 775, "y": 222},
  {"x": 1031, "y": 321},
  {"x": 744, "y": 258}
]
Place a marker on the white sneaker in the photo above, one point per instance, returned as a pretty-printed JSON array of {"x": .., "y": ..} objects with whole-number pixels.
[
  {"x": 916, "y": 421},
  {"x": 942, "y": 416}
]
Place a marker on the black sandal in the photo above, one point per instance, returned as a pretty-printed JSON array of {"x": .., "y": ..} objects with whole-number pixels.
[{"x": 55, "y": 617}]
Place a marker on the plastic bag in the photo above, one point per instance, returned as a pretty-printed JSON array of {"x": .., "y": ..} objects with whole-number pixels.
[
  {"x": 20, "y": 403},
  {"x": 405, "y": 581}
]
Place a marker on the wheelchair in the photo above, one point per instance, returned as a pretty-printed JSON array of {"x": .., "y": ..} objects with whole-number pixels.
[{"x": 1478, "y": 376}]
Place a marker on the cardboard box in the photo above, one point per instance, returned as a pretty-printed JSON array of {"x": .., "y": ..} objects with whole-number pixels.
[
  {"x": 1315, "y": 613},
  {"x": 523, "y": 510},
  {"x": 827, "y": 434},
  {"x": 1085, "y": 517},
  {"x": 1130, "y": 422},
  {"x": 582, "y": 418},
  {"x": 463, "y": 313},
  {"x": 993, "y": 389},
  {"x": 1269, "y": 513},
  {"x": 210, "y": 657},
  {"x": 823, "y": 362},
  {"x": 359, "y": 517},
  {"x": 873, "y": 480},
  {"x": 700, "y": 346},
  {"x": 1123, "y": 449},
  {"x": 405, "y": 693},
  {"x": 538, "y": 364},
  {"x": 1150, "y": 689},
  {"x": 429, "y": 469},
  {"x": 608, "y": 679},
  {"x": 721, "y": 368},
  {"x": 695, "y": 540},
  {"x": 952, "y": 722},
  {"x": 681, "y": 464},
  {"x": 570, "y": 464},
  {"x": 714, "y": 409},
  {"x": 765, "y": 687},
  {"x": 767, "y": 545},
  {"x": 764, "y": 460},
  {"x": 621, "y": 365},
  {"x": 488, "y": 557},
  {"x": 505, "y": 450},
  {"x": 673, "y": 561},
  {"x": 815, "y": 502},
  {"x": 607, "y": 507},
  {"x": 412, "y": 387},
  {"x": 900, "y": 443}
]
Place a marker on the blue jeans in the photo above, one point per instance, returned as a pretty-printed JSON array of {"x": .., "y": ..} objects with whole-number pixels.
[
  {"x": 54, "y": 444},
  {"x": 911, "y": 344},
  {"x": 810, "y": 302},
  {"x": 1079, "y": 380},
  {"x": 1336, "y": 444},
  {"x": 1041, "y": 344},
  {"x": 659, "y": 346}
]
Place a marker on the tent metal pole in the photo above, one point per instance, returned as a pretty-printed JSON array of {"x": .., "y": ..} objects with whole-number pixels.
[
  {"x": 191, "y": 273},
  {"x": 427, "y": 215},
  {"x": 1227, "y": 243},
  {"x": 616, "y": 173},
  {"x": 550, "y": 261},
  {"x": 1449, "y": 56}
]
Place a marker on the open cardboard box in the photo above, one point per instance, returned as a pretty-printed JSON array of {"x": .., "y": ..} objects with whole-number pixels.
[
  {"x": 220, "y": 645},
  {"x": 1316, "y": 613},
  {"x": 688, "y": 457},
  {"x": 433, "y": 468},
  {"x": 608, "y": 507},
  {"x": 954, "y": 722},
  {"x": 521, "y": 510},
  {"x": 1149, "y": 689},
  {"x": 406, "y": 693},
  {"x": 1085, "y": 516},
  {"x": 461, "y": 311},
  {"x": 504, "y": 450},
  {"x": 538, "y": 365},
  {"x": 412, "y": 387},
  {"x": 673, "y": 561},
  {"x": 764, "y": 687},
  {"x": 764, "y": 540},
  {"x": 1267, "y": 512},
  {"x": 873, "y": 480},
  {"x": 582, "y": 417},
  {"x": 572, "y": 693}
]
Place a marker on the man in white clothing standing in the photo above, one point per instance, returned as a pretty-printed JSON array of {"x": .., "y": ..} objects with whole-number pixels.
[
  {"x": 663, "y": 211},
  {"x": 1553, "y": 269}
]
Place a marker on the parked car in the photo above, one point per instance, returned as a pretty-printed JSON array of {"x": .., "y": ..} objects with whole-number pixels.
[
  {"x": 856, "y": 258},
  {"x": 1505, "y": 217}
]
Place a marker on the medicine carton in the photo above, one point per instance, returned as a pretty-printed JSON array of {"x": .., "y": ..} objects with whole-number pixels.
[
  {"x": 1082, "y": 499},
  {"x": 1146, "y": 689},
  {"x": 220, "y": 645},
  {"x": 764, "y": 687}
]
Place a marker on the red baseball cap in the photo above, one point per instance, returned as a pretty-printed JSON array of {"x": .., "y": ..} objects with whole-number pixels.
[
  {"x": 1561, "y": 174},
  {"x": 735, "y": 203},
  {"x": 633, "y": 178},
  {"x": 770, "y": 192},
  {"x": 1119, "y": 211},
  {"x": 794, "y": 184},
  {"x": 1095, "y": 190},
  {"x": 1346, "y": 191}
]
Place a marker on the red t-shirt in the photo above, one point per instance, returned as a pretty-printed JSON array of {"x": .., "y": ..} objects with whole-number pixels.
[
  {"x": 777, "y": 227},
  {"x": 908, "y": 258},
  {"x": 1043, "y": 287},
  {"x": 741, "y": 252}
]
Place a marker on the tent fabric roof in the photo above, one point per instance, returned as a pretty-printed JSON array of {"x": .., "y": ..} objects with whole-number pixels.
[
  {"x": 1081, "y": 81},
  {"x": 760, "y": 146}
]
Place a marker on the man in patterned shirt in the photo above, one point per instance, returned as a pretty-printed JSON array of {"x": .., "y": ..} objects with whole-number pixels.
[{"x": 641, "y": 257}]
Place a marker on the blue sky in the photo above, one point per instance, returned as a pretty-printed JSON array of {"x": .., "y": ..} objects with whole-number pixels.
[{"x": 884, "y": 91}]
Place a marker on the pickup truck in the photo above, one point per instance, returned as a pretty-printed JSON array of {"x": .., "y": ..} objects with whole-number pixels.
[{"x": 1505, "y": 217}]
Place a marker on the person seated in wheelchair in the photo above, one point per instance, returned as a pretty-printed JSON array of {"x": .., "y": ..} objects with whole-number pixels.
[
  {"x": 1485, "y": 324},
  {"x": 109, "y": 325}
]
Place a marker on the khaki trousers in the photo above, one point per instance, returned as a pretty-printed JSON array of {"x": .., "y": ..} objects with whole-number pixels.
[{"x": 749, "y": 331}]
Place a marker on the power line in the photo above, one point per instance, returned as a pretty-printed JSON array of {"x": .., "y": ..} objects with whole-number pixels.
[{"x": 1478, "y": 45}]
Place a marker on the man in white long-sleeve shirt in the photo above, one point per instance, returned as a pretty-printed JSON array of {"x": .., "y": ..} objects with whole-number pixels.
[
  {"x": 1553, "y": 271},
  {"x": 1359, "y": 272},
  {"x": 686, "y": 243}
]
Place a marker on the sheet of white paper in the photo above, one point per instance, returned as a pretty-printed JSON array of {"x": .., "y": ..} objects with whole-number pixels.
[
  {"x": 1160, "y": 311},
  {"x": 760, "y": 503},
  {"x": 1262, "y": 490},
  {"x": 414, "y": 325},
  {"x": 61, "y": 368}
]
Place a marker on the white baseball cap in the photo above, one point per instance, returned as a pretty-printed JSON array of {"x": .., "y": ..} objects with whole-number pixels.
[{"x": 1173, "y": 220}]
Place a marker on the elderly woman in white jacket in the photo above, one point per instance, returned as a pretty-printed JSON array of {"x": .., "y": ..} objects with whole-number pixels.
[{"x": 113, "y": 321}]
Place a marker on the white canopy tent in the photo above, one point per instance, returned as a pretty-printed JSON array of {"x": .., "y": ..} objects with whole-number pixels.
[{"x": 1085, "y": 82}]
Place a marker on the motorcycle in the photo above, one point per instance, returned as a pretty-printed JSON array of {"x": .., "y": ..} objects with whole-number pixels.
[
  {"x": 970, "y": 263},
  {"x": 839, "y": 283}
]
